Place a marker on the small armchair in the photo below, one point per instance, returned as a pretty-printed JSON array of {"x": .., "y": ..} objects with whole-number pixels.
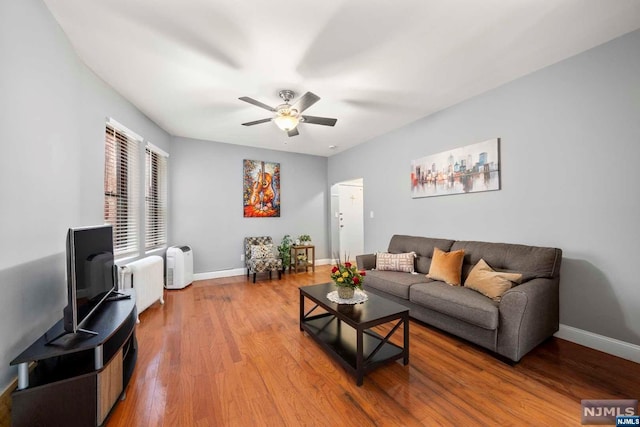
[{"x": 259, "y": 256}]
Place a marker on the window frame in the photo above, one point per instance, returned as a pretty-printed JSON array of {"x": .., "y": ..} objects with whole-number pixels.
[
  {"x": 121, "y": 204},
  {"x": 155, "y": 198}
]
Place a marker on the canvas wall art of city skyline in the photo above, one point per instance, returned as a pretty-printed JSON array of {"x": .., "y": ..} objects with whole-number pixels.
[{"x": 467, "y": 169}]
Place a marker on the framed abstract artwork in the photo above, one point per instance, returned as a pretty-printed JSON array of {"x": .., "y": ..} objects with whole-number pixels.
[
  {"x": 467, "y": 169},
  {"x": 261, "y": 189}
]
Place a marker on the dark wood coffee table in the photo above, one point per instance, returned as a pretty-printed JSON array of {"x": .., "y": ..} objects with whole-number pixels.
[{"x": 343, "y": 330}]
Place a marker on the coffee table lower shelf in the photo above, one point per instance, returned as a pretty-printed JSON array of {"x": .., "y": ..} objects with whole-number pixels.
[{"x": 340, "y": 341}]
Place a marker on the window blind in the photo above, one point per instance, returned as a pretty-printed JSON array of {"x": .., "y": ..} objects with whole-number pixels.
[
  {"x": 121, "y": 189},
  {"x": 155, "y": 197}
]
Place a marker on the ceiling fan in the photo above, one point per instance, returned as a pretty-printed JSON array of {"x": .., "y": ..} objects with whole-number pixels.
[{"x": 288, "y": 116}]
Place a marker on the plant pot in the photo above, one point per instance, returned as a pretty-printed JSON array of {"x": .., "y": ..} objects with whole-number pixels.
[{"x": 345, "y": 292}]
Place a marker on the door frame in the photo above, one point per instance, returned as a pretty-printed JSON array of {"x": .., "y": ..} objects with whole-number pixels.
[{"x": 334, "y": 221}]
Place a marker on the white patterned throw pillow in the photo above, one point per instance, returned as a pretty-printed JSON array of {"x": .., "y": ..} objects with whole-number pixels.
[
  {"x": 395, "y": 262},
  {"x": 262, "y": 251}
]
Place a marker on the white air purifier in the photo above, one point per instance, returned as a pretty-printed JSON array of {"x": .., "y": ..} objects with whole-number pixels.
[{"x": 179, "y": 267}]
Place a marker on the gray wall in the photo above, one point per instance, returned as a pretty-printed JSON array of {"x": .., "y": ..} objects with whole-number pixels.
[
  {"x": 570, "y": 138},
  {"x": 52, "y": 118},
  {"x": 206, "y": 204}
]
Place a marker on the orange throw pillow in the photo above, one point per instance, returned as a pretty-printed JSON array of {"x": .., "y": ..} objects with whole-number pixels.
[{"x": 447, "y": 266}]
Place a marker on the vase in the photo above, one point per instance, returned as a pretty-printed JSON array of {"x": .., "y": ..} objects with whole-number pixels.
[{"x": 345, "y": 292}]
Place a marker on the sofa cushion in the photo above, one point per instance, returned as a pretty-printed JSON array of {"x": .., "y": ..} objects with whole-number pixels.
[
  {"x": 395, "y": 262},
  {"x": 490, "y": 283},
  {"x": 446, "y": 266},
  {"x": 532, "y": 261},
  {"x": 422, "y": 246},
  {"x": 456, "y": 301},
  {"x": 393, "y": 282}
]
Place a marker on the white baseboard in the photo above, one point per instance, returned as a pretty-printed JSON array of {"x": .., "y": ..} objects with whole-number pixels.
[
  {"x": 239, "y": 271},
  {"x": 608, "y": 345},
  {"x": 220, "y": 273}
]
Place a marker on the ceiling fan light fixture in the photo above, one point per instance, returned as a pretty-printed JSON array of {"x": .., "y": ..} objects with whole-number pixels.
[
  {"x": 287, "y": 116},
  {"x": 286, "y": 122}
]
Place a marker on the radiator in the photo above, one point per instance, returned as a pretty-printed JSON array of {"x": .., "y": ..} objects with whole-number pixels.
[{"x": 146, "y": 277}]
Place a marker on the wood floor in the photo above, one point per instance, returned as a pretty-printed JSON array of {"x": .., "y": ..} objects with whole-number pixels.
[{"x": 227, "y": 352}]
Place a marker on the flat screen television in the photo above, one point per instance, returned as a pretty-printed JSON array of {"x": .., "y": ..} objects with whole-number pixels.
[{"x": 91, "y": 273}]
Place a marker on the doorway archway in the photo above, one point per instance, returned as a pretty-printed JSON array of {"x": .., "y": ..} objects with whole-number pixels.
[{"x": 347, "y": 218}]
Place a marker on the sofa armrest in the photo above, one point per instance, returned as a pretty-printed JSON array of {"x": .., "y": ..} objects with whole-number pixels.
[
  {"x": 529, "y": 314},
  {"x": 366, "y": 261}
]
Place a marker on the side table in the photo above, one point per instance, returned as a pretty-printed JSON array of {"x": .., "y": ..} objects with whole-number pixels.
[{"x": 303, "y": 250}]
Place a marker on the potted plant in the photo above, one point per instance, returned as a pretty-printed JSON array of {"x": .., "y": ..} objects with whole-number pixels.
[
  {"x": 284, "y": 251},
  {"x": 305, "y": 239},
  {"x": 347, "y": 278},
  {"x": 302, "y": 259}
]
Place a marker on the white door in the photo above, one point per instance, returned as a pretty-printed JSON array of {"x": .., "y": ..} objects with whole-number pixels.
[
  {"x": 335, "y": 224},
  {"x": 350, "y": 219}
]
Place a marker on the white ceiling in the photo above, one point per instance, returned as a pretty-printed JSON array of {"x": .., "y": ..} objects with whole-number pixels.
[{"x": 376, "y": 64}]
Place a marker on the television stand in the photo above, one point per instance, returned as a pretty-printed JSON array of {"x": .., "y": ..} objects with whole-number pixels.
[
  {"x": 117, "y": 298},
  {"x": 64, "y": 333},
  {"x": 77, "y": 381}
]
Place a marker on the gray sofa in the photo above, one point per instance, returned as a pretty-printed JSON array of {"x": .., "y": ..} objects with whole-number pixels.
[{"x": 526, "y": 315}]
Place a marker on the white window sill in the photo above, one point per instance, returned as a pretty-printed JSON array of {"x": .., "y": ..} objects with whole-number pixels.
[{"x": 157, "y": 251}]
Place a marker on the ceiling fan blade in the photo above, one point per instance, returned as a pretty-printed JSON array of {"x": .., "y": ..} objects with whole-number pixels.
[
  {"x": 325, "y": 121},
  {"x": 306, "y": 101},
  {"x": 256, "y": 103},
  {"x": 256, "y": 122},
  {"x": 293, "y": 132}
]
